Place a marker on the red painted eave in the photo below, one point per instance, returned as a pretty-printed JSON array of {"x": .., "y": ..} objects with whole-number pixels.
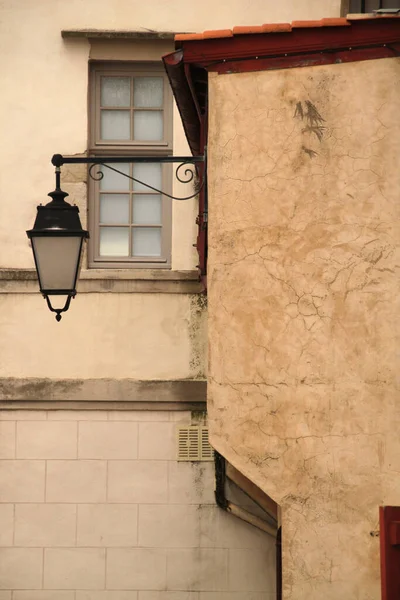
[
  {"x": 174, "y": 66},
  {"x": 283, "y": 38}
]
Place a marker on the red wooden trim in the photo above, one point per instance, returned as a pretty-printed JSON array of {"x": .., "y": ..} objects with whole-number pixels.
[
  {"x": 362, "y": 33},
  {"x": 395, "y": 533},
  {"x": 185, "y": 100},
  {"x": 305, "y": 60},
  {"x": 202, "y": 219},
  {"x": 389, "y": 519},
  {"x": 382, "y": 539},
  {"x": 192, "y": 91}
]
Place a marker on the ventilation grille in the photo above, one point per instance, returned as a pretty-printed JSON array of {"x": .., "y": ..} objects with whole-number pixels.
[{"x": 193, "y": 443}]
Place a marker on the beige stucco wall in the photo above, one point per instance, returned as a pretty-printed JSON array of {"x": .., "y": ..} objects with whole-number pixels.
[
  {"x": 44, "y": 83},
  {"x": 95, "y": 506},
  {"x": 138, "y": 336},
  {"x": 304, "y": 308}
]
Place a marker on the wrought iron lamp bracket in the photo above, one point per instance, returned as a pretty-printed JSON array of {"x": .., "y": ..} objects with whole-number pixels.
[
  {"x": 187, "y": 163},
  {"x": 59, "y": 219}
]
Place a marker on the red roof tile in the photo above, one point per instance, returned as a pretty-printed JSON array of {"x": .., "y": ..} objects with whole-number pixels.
[
  {"x": 275, "y": 27},
  {"x": 243, "y": 30},
  {"x": 332, "y": 22},
  {"x": 307, "y": 24},
  {"x": 183, "y": 37},
  {"x": 217, "y": 33}
]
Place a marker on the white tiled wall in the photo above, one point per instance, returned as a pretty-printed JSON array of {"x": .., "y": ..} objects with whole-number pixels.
[{"x": 94, "y": 506}]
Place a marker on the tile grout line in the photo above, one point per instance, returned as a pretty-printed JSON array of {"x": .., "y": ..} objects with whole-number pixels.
[
  {"x": 43, "y": 569},
  {"x": 13, "y": 536},
  {"x": 93, "y": 459},
  {"x": 77, "y": 438},
  {"x": 105, "y": 567},
  {"x": 168, "y": 494},
  {"x": 168, "y": 480},
  {"x": 123, "y": 547},
  {"x": 45, "y": 481},
  {"x": 227, "y": 565},
  {"x": 166, "y": 567},
  {"x": 137, "y": 525},
  {"x": 76, "y": 525},
  {"x": 107, "y": 476},
  {"x": 15, "y": 439}
]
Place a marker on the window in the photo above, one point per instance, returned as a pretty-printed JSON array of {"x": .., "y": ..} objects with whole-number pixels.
[{"x": 130, "y": 113}]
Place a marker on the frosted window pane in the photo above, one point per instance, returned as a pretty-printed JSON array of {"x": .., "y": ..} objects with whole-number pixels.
[
  {"x": 114, "y": 182},
  {"x": 149, "y": 173},
  {"x": 115, "y": 125},
  {"x": 115, "y": 91},
  {"x": 148, "y": 92},
  {"x": 114, "y": 208},
  {"x": 148, "y": 125},
  {"x": 147, "y": 209},
  {"x": 146, "y": 241},
  {"x": 114, "y": 241}
]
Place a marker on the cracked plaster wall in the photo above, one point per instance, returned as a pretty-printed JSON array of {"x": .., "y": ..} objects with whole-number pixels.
[{"x": 303, "y": 308}]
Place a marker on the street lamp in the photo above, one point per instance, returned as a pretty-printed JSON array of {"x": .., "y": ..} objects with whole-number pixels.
[
  {"x": 57, "y": 236},
  {"x": 57, "y": 242}
]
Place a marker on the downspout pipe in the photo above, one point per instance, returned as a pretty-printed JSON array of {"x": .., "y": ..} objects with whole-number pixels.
[{"x": 220, "y": 475}]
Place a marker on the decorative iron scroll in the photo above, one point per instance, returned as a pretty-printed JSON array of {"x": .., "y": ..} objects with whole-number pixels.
[
  {"x": 188, "y": 177},
  {"x": 185, "y": 172}
]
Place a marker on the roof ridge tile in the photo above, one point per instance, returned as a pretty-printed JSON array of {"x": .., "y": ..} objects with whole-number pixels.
[
  {"x": 279, "y": 27},
  {"x": 183, "y": 37},
  {"x": 217, "y": 33},
  {"x": 297, "y": 24},
  {"x": 243, "y": 29},
  {"x": 276, "y": 27},
  {"x": 335, "y": 22}
]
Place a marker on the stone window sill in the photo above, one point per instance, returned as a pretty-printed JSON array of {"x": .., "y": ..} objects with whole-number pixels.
[{"x": 20, "y": 281}]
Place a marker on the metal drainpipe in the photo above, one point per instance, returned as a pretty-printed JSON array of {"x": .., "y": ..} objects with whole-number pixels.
[{"x": 220, "y": 497}]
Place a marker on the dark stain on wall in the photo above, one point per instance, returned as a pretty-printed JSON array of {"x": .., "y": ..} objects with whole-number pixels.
[{"x": 308, "y": 113}]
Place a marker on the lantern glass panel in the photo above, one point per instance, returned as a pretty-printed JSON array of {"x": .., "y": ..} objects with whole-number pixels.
[{"x": 57, "y": 260}]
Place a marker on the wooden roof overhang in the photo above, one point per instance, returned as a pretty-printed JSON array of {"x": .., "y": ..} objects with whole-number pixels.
[
  {"x": 261, "y": 48},
  {"x": 266, "y": 47},
  {"x": 190, "y": 89}
]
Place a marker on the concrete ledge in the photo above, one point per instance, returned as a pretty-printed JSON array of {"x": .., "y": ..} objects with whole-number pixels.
[
  {"x": 10, "y": 406},
  {"x": 125, "y": 391},
  {"x": 146, "y": 281},
  {"x": 115, "y": 34}
]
